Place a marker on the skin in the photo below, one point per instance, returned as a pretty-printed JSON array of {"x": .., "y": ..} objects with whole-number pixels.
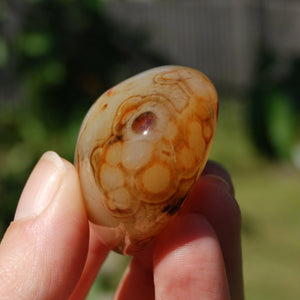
[{"x": 50, "y": 251}]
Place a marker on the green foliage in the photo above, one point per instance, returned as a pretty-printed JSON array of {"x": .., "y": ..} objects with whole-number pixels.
[
  {"x": 282, "y": 124},
  {"x": 274, "y": 107},
  {"x": 3, "y": 52},
  {"x": 59, "y": 59}
]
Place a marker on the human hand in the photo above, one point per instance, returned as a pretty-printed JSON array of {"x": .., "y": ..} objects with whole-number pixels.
[{"x": 50, "y": 251}]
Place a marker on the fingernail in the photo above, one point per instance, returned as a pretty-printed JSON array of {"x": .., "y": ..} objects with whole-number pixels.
[{"x": 41, "y": 187}]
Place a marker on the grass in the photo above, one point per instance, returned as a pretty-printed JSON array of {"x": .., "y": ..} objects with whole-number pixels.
[
  {"x": 271, "y": 246},
  {"x": 269, "y": 197}
]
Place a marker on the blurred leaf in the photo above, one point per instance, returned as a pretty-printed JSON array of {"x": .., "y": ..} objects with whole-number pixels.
[
  {"x": 54, "y": 72},
  {"x": 33, "y": 131},
  {"x": 274, "y": 107},
  {"x": 18, "y": 160},
  {"x": 3, "y": 52},
  {"x": 35, "y": 43},
  {"x": 281, "y": 120}
]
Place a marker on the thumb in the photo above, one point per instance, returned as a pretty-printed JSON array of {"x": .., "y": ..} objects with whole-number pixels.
[{"x": 43, "y": 252}]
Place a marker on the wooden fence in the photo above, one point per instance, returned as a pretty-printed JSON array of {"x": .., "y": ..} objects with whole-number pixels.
[{"x": 220, "y": 37}]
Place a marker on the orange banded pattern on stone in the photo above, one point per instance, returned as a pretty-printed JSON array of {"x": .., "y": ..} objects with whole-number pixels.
[{"x": 141, "y": 147}]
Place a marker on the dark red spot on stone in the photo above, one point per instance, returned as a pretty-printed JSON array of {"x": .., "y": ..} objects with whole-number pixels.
[{"x": 144, "y": 122}]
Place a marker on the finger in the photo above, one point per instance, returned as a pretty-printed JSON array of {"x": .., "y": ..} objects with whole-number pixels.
[
  {"x": 188, "y": 262},
  {"x": 215, "y": 169},
  {"x": 44, "y": 250},
  {"x": 97, "y": 254},
  {"x": 137, "y": 282},
  {"x": 212, "y": 196}
]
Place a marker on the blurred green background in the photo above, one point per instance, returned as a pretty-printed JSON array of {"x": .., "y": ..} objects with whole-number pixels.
[{"x": 58, "y": 56}]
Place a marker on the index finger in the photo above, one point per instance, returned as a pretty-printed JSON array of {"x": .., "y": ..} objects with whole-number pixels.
[{"x": 213, "y": 197}]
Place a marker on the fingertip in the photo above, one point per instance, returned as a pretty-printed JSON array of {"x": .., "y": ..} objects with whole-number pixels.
[
  {"x": 41, "y": 186},
  {"x": 49, "y": 236},
  {"x": 213, "y": 196},
  {"x": 216, "y": 170}
]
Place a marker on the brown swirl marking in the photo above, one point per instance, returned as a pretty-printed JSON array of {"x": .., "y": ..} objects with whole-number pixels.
[
  {"x": 147, "y": 188},
  {"x": 157, "y": 145},
  {"x": 177, "y": 78},
  {"x": 131, "y": 104}
]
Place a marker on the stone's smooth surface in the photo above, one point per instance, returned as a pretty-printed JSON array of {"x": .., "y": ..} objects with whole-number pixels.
[{"x": 140, "y": 148}]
